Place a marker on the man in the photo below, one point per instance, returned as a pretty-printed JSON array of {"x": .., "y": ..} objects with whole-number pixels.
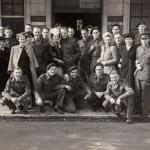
[
  {"x": 119, "y": 93},
  {"x": 141, "y": 26},
  {"x": 50, "y": 87},
  {"x": 4, "y": 60},
  {"x": 98, "y": 84},
  {"x": 84, "y": 63},
  {"x": 42, "y": 51},
  {"x": 142, "y": 75},
  {"x": 28, "y": 28},
  {"x": 71, "y": 32},
  {"x": 17, "y": 92},
  {"x": 70, "y": 49},
  {"x": 2, "y": 34},
  {"x": 45, "y": 34},
  {"x": 10, "y": 41},
  {"x": 80, "y": 91}
]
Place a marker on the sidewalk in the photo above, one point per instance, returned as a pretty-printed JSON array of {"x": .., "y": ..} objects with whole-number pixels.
[{"x": 85, "y": 115}]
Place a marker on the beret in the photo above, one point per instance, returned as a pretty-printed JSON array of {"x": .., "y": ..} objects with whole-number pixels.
[
  {"x": 72, "y": 68},
  {"x": 145, "y": 33},
  {"x": 50, "y": 65}
]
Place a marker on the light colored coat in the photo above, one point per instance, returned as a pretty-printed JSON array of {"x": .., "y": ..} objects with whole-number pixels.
[{"x": 14, "y": 58}]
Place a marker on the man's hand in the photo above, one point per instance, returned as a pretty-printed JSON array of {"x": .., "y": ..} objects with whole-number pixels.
[
  {"x": 118, "y": 101},
  {"x": 99, "y": 94},
  {"x": 112, "y": 101},
  {"x": 39, "y": 101},
  {"x": 66, "y": 77},
  {"x": 138, "y": 66},
  {"x": 68, "y": 87},
  {"x": 14, "y": 99}
]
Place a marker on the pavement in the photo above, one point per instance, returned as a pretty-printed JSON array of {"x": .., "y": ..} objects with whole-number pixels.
[
  {"x": 74, "y": 136},
  {"x": 85, "y": 115}
]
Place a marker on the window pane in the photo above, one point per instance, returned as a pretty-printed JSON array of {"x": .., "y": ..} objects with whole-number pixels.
[
  {"x": 147, "y": 21},
  {"x": 18, "y": 1},
  {"x": 136, "y": 1},
  {"x": 146, "y": 10},
  {"x": 135, "y": 10},
  {"x": 6, "y": 9},
  {"x": 145, "y": 1},
  {"x": 134, "y": 22},
  {"x": 18, "y": 10},
  {"x": 6, "y": 1}
]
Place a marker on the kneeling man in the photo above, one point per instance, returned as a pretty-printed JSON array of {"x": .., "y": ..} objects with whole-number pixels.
[
  {"x": 17, "y": 93},
  {"x": 119, "y": 92}
]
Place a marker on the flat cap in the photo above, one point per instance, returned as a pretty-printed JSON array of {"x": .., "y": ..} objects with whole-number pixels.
[
  {"x": 145, "y": 34},
  {"x": 50, "y": 65},
  {"x": 72, "y": 68}
]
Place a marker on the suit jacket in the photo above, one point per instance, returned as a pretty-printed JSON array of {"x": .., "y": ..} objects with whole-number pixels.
[{"x": 14, "y": 58}]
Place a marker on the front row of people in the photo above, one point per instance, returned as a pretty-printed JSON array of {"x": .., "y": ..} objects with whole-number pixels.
[{"x": 103, "y": 91}]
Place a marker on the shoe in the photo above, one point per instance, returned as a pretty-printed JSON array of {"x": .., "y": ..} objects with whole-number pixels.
[
  {"x": 42, "y": 109},
  {"x": 58, "y": 110},
  {"x": 12, "y": 111},
  {"x": 129, "y": 121}
]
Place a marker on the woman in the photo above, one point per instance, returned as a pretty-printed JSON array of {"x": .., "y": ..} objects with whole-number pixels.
[
  {"x": 127, "y": 59},
  {"x": 23, "y": 56},
  {"x": 109, "y": 56},
  {"x": 56, "y": 50},
  {"x": 94, "y": 47}
]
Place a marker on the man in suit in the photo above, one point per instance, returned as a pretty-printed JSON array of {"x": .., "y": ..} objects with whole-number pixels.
[{"x": 142, "y": 74}]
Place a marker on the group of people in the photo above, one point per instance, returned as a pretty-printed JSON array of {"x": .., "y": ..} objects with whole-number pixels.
[{"x": 109, "y": 72}]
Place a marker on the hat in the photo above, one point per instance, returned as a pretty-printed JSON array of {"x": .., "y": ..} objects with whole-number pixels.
[
  {"x": 145, "y": 34},
  {"x": 98, "y": 64},
  {"x": 129, "y": 35},
  {"x": 50, "y": 65},
  {"x": 72, "y": 68},
  {"x": 2, "y": 38},
  {"x": 28, "y": 34},
  {"x": 140, "y": 23}
]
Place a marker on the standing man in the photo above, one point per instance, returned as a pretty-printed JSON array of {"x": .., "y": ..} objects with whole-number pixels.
[
  {"x": 2, "y": 34},
  {"x": 142, "y": 74},
  {"x": 98, "y": 84},
  {"x": 141, "y": 26},
  {"x": 42, "y": 51}
]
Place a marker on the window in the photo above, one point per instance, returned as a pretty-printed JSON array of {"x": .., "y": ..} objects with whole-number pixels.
[
  {"x": 12, "y": 7},
  {"x": 140, "y": 10}
]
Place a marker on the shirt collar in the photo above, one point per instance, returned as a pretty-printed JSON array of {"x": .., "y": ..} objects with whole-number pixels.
[{"x": 48, "y": 76}]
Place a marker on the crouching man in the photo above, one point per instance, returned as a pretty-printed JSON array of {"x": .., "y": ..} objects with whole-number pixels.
[
  {"x": 98, "y": 84},
  {"x": 80, "y": 91},
  {"x": 119, "y": 92},
  {"x": 50, "y": 87},
  {"x": 17, "y": 93}
]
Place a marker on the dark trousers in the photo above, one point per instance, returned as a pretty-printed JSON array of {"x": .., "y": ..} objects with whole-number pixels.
[
  {"x": 95, "y": 102},
  {"x": 142, "y": 96},
  {"x": 57, "y": 96},
  {"x": 25, "y": 103},
  {"x": 128, "y": 102}
]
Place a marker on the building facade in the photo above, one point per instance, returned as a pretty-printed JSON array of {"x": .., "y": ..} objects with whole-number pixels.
[{"x": 102, "y": 13}]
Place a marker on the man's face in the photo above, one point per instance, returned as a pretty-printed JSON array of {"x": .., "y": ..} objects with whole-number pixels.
[
  {"x": 52, "y": 71},
  {"x": 22, "y": 41},
  {"x": 56, "y": 37},
  {"x": 129, "y": 41},
  {"x": 141, "y": 28},
  {"x": 8, "y": 33},
  {"x": 96, "y": 34},
  {"x": 74, "y": 73},
  {"x": 37, "y": 33},
  {"x": 118, "y": 38},
  {"x": 71, "y": 32},
  {"x": 115, "y": 30},
  {"x": 145, "y": 40},
  {"x": 114, "y": 78},
  {"x": 45, "y": 33},
  {"x": 64, "y": 33},
  {"x": 28, "y": 28},
  {"x": 2, "y": 44},
  {"x": 84, "y": 34},
  {"x": 17, "y": 74},
  {"x": 99, "y": 70}
]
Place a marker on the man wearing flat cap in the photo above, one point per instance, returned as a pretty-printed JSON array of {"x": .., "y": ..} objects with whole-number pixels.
[
  {"x": 80, "y": 91},
  {"x": 142, "y": 74},
  {"x": 141, "y": 26},
  {"x": 50, "y": 87},
  {"x": 98, "y": 84}
]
